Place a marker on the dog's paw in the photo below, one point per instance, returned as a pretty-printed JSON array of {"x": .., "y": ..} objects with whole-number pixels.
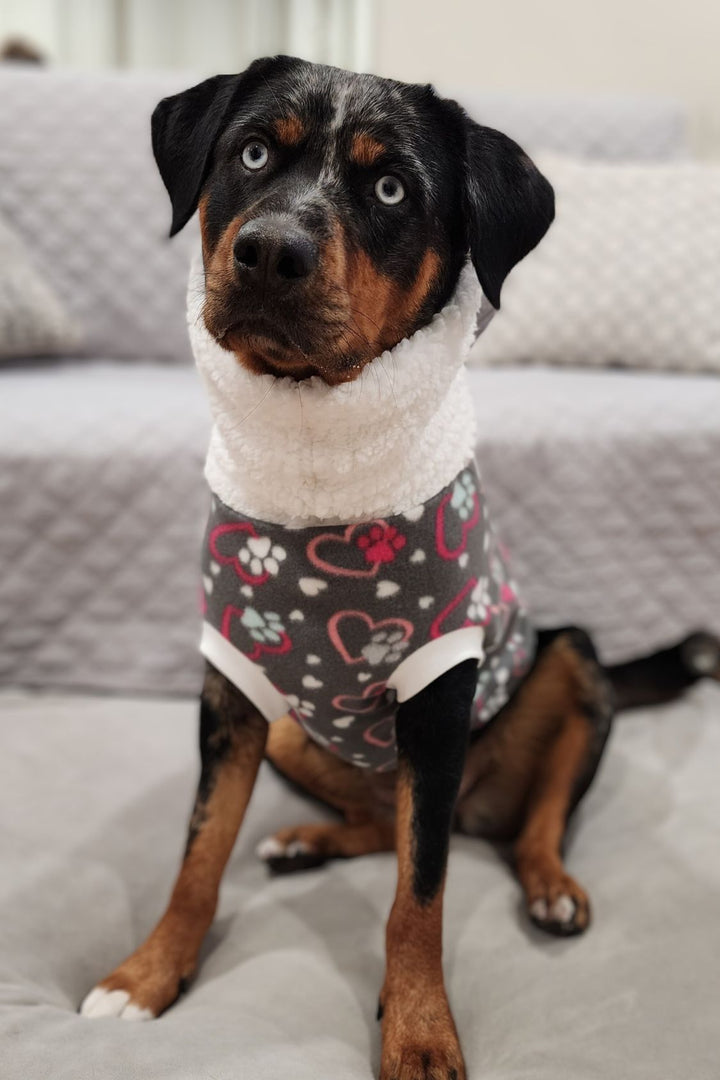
[
  {"x": 101, "y": 1004},
  {"x": 140, "y": 989},
  {"x": 419, "y": 1037},
  {"x": 561, "y": 908},
  {"x": 421, "y": 1055},
  {"x": 288, "y": 851}
]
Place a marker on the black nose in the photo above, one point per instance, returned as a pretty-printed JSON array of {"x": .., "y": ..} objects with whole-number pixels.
[{"x": 274, "y": 250}]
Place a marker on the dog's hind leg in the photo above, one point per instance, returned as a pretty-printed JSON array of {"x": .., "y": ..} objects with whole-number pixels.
[
  {"x": 366, "y": 803},
  {"x": 554, "y": 900},
  {"x": 528, "y": 771},
  {"x": 232, "y": 739}
]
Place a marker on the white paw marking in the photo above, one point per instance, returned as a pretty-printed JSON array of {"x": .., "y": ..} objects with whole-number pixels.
[
  {"x": 296, "y": 616},
  {"x": 386, "y": 588},
  {"x": 312, "y": 659},
  {"x": 539, "y": 909},
  {"x": 208, "y": 583},
  {"x": 563, "y": 910},
  {"x": 214, "y": 568},
  {"x": 297, "y": 847},
  {"x": 363, "y": 676},
  {"x": 311, "y": 683},
  {"x": 135, "y": 1013},
  {"x": 101, "y": 1003},
  {"x": 259, "y": 546},
  {"x": 463, "y": 559},
  {"x": 269, "y": 848},
  {"x": 312, "y": 586},
  {"x": 418, "y": 555},
  {"x": 343, "y": 721},
  {"x": 415, "y": 513},
  {"x": 247, "y": 590},
  {"x": 426, "y": 602}
]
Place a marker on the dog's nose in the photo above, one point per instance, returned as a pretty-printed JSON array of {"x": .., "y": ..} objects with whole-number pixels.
[{"x": 274, "y": 250}]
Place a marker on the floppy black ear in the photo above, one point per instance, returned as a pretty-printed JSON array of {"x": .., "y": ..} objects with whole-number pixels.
[
  {"x": 186, "y": 127},
  {"x": 509, "y": 206}
]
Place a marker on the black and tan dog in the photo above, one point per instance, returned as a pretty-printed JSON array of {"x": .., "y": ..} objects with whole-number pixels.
[{"x": 354, "y": 201}]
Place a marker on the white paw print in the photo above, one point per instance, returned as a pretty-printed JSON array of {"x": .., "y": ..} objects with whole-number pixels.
[
  {"x": 480, "y": 601},
  {"x": 306, "y": 709},
  {"x": 265, "y": 628},
  {"x": 261, "y": 556},
  {"x": 463, "y": 496},
  {"x": 385, "y": 647}
]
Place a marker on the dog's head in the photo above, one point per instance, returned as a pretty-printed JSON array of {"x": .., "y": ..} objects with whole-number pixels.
[{"x": 337, "y": 210}]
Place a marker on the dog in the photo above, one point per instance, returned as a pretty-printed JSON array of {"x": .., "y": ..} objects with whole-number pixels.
[{"x": 346, "y": 221}]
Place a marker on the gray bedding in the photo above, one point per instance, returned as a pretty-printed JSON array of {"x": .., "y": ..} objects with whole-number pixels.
[{"x": 93, "y": 798}]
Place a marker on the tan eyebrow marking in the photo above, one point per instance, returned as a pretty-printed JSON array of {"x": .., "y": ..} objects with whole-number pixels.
[
  {"x": 289, "y": 130},
  {"x": 365, "y": 149}
]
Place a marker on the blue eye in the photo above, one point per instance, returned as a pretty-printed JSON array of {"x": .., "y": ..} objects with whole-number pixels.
[
  {"x": 389, "y": 190},
  {"x": 255, "y": 155}
]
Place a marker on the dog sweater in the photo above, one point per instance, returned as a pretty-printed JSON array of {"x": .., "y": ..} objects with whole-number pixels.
[{"x": 349, "y": 559}]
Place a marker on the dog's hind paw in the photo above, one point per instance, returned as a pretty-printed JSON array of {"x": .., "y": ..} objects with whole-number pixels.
[
  {"x": 285, "y": 856},
  {"x": 102, "y": 1004},
  {"x": 564, "y": 916}
]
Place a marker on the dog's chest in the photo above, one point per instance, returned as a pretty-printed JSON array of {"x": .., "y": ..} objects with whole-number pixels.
[{"x": 333, "y": 615}]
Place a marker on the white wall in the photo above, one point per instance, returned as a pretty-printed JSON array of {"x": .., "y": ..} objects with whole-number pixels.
[
  {"x": 196, "y": 35},
  {"x": 669, "y": 47}
]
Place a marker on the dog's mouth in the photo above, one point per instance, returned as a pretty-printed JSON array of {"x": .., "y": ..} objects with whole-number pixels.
[{"x": 267, "y": 345}]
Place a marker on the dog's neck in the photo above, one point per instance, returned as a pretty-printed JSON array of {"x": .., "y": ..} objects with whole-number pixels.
[{"x": 304, "y": 453}]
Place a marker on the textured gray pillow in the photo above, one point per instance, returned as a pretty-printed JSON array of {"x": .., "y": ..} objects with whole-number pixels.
[
  {"x": 628, "y": 275},
  {"x": 33, "y": 322}
]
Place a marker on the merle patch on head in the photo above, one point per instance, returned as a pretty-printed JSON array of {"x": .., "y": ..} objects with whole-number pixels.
[{"x": 337, "y": 210}]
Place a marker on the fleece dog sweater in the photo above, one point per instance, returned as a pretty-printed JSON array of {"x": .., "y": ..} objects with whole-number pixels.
[{"x": 349, "y": 559}]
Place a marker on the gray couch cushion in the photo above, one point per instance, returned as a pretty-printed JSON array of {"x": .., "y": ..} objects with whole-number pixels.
[
  {"x": 33, "y": 321},
  {"x": 102, "y": 505},
  {"x": 94, "y": 795},
  {"x": 80, "y": 185},
  {"x": 605, "y": 127}
]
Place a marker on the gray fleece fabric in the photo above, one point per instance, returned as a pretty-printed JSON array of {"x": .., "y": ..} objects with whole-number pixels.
[{"x": 94, "y": 798}]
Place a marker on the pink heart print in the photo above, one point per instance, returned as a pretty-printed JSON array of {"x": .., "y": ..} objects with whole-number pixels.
[
  {"x": 360, "y": 703},
  {"x": 343, "y": 616},
  {"x": 373, "y": 543},
  {"x": 231, "y": 529},
  {"x": 382, "y": 732},
  {"x": 436, "y": 630},
  {"x": 466, "y": 527}
]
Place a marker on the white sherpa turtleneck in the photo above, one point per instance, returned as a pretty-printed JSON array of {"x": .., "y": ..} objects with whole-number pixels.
[{"x": 304, "y": 453}]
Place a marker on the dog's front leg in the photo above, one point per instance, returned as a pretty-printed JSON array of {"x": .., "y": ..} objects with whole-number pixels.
[
  {"x": 419, "y": 1037},
  {"x": 232, "y": 740}
]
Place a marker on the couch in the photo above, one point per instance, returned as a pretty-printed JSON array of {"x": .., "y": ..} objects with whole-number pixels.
[{"x": 101, "y": 509}]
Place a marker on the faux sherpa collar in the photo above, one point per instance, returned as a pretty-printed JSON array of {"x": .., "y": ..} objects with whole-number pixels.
[{"x": 304, "y": 453}]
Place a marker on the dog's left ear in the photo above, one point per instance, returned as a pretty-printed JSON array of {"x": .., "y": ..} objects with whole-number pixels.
[{"x": 508, "y": 205}]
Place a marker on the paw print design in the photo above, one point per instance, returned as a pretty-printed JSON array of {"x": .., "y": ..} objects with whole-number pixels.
[
  {"x": 381, "y": 543},
  {"x": 385, "y": 647},
  {"x": 265, "y": 628},
  {"x": 478, "y": 611},
  {"x": 261, "y": 556},
  {"x": 305, "y": 709},
  {"x": 463, "y": 496}
]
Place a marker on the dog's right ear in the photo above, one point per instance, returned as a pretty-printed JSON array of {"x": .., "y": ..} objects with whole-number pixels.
[{"x": 187, "y": 126}]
